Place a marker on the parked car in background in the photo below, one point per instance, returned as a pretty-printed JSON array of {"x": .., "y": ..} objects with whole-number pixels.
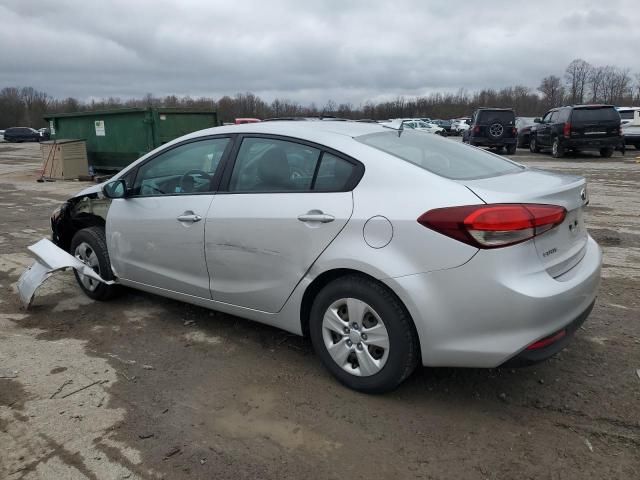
[
  {"x": 524, "y": 125},
  {"x": 1, "y": 135},
  {"x": 45, "y": 134},
  {"x": 393, "y": 250},
  {"x": 576, "y": 128},
  {"x": 416, "y": 124},
  {"x": 493, "y": 128},
  {"x": 446, "y": 124},
  {"x": 241, "y": 121},
  {"x": 459, "y": 126},
  {"x": 627, "y": 114},
  {"x": 21, "y": 134},
  {"x": 631, "y": 131}
]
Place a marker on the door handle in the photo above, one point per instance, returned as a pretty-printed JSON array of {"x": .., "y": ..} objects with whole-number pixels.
[
  {"x": 189, "y": 217},
  {"x": 316, "y": 216}
]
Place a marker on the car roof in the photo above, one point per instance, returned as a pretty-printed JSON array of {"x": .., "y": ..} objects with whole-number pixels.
[{"x": 310, "y": 130}]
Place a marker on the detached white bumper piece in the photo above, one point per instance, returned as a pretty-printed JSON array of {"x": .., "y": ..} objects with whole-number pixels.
[{"x": 49, "y": 259}]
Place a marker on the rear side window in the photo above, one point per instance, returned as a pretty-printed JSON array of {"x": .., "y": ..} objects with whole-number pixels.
[
  {"x": 605, "y": 114},
  {"x": 442, "y": 157},
  {"x": 502, "y": 116},
  {"x": 334, "y": 174},
  {"x": 270, "y": 165}
]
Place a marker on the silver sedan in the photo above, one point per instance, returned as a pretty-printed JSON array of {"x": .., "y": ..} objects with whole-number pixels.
[{"x": 388, "y": 248}]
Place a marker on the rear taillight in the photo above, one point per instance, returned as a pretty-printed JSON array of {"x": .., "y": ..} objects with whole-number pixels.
[
  {"x": 566, "y": 131},
  {"x": 515, "y": 131},
  {"x": 496, "y": 225},
  {"x": 476, "y": 129}
]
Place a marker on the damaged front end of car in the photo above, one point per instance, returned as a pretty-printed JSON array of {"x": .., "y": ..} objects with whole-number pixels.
[
  {"x": 87, "y": 209},
  {"x": 50, "y": 259}
]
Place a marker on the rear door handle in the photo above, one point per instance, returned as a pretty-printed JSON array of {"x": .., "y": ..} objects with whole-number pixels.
[
  {"x": 315, "y": 216},
  {"x": 189, "y": 217}
]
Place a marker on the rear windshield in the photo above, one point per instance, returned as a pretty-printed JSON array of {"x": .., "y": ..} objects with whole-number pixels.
[
  {"x": 440, "y": 156},
  {"x": 594, "y": 114},
  {"x": 499, "y": 115}
]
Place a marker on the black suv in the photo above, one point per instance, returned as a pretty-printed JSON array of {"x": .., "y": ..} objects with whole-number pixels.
[
  {"x": 21, "y": 134},
  {"x": 494, "y": 128},
  {"x": 579, "y": 127}
]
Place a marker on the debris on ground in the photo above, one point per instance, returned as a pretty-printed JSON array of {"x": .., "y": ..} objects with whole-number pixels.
[
  {"x": 84, "y": 388},
  {"x": 588, "y": 444},
  {"x": 144, "y": 436},
  {"x": 8, "y": 373},
  {"x": 60, "y": 388},
  {"x": 171, "y": 452},
  {"x": 188, "y": 323}
]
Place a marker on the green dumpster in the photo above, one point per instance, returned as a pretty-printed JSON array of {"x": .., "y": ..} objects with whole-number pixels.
[{"x": 115, "y": 138}]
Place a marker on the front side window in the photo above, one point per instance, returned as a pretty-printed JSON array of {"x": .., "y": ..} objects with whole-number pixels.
[{"x": 186, "y": 169}]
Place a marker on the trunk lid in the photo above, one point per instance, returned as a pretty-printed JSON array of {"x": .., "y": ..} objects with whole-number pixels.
[{"x": 562, "y": 247}]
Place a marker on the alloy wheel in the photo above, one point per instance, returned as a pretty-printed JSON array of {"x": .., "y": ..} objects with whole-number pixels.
[{"x": 88, "y": 256}]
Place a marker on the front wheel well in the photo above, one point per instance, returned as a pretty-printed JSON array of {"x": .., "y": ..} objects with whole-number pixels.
[
  {"x": 68, "y": 225},
  {"x": 327, "y": 277}
]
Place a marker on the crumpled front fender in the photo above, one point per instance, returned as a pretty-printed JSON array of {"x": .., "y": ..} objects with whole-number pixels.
[{"x": 49, "y": 259}]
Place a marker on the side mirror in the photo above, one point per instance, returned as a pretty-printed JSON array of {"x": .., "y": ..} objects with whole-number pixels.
[
  {"x": 115, "y": 189},
  {"x": 537, "y": 120}
]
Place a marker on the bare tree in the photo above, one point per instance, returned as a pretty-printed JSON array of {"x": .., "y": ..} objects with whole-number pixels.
[
  {"x": 552, "y": 91},
  {"x": 576, "y": 77},
  {"x": 595, "y": 82}
]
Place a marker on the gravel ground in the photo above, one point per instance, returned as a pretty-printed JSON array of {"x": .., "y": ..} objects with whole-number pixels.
[{"x": 175, "y": 391}]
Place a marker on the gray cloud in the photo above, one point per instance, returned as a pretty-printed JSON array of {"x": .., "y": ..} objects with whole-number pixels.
[{"x": 308, "y": 51}]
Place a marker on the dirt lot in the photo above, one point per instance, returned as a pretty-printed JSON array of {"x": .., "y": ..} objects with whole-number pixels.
[{"x": 177, "y": 391}]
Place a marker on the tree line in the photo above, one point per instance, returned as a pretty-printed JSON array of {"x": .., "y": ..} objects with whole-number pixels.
[{"x": 580, "y": 83}]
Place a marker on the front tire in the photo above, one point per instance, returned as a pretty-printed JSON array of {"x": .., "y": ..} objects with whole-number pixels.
[
  {"x": 90, "y": 246},
  {"x": 363, "y": 334}
]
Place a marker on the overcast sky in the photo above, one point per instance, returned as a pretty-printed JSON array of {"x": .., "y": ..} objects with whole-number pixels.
[{"x": 307, "y": 51}]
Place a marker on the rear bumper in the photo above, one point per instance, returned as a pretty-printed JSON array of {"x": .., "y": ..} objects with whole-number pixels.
[
  {"x": 490, "y": 309},
  {"x": 592, "y": 143},
  {"x": 486, "y": 142},
  {"x": 632, "y": 139},
  {"x": 530, "y": 357}
]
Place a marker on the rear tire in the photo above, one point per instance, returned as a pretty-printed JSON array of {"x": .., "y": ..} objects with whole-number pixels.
[
  {"x": 511, "y": 149},
  {"x": 90, "y": 246},
  {"x": 606, "y": 152},
  {"x": 557, "y": 150},
  {"x": 386, "y": 360}
]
